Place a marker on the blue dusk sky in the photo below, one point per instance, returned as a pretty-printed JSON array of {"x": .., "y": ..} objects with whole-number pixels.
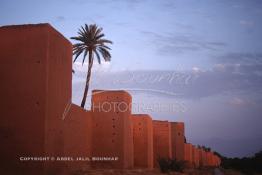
[{"x": 202, "y": 56}]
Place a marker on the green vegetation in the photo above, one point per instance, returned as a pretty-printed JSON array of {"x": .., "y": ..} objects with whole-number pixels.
[
  {"x": 247, "y": 165},
  {"x": 166, "y": 165},
  {"x": 91, "y": 41},
  {"x": 207, "y": 149}
]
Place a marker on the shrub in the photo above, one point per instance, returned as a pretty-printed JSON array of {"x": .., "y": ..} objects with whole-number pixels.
[
  {"x": 247, "y": 165},
  {"x": 166, "y": 165},
  {"x": 176, "y": 165}
]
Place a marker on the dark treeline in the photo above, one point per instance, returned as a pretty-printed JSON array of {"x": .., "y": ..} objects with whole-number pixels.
[{"x": 247, "y": 165}]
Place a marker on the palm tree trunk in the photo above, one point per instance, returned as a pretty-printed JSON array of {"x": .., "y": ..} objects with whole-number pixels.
[{"x": 90, "y": 64}]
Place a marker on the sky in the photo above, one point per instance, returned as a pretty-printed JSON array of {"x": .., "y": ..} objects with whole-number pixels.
[{"x": 201, "y": 57}]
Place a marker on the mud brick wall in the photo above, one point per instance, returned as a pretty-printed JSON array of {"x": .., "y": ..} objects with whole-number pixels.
[
  {"x": 195, "y": 156},
  {"x": 188, "y": 154},
  {"x": 161, "y": 140},
  {"x": 39, "y": 119},
  {"x": 202, "y": 158},
  {"x": 77, "y": 137},
  {"x": 112, "y": 128},
  {"x": 177, "y": 140},
  {"x": 143, "y": 141},
  {"x": 209, "y": 159},
  {"x": 36, "y": 64}
]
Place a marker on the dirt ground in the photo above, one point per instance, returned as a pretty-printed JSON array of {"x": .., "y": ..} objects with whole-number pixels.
[{"x": 207, "y": 171}]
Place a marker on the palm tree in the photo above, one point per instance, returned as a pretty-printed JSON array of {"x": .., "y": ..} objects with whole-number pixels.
[{"x": 91, "y": 41}]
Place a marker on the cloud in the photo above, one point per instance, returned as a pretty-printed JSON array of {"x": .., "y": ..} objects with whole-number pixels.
[
  {"x": 196, "y": 69},
  {"x": 236, "y": 101},
  {"x": 239, "y": 58},
  {"x": 78, "y": 1},
  {"x": 181, "y": 43},
  {"x": 60, "y": 18},
  {"x": 247, "y": 64},
  {"x": 247, "y": 23},
  {"x": 105, "y": 66},
  {"x": 195, "y": 84}
]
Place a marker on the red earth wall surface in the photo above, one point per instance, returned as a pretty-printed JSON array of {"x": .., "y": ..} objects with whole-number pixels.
[
  {"x": 209, "y": 159},
  {"x": 143, "y": 141},
  {"x": 161, "y": 140},
  {"x": 77, "y": 137},
  {"x": 188, "y": 154},
  {"x": 36, "y": 64},
  {"x": 112, "y": 128},
  {"x": 202, "y": 158},
  {"x": 195, "y": 156},
  {"x": 177, "y": 140}
]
